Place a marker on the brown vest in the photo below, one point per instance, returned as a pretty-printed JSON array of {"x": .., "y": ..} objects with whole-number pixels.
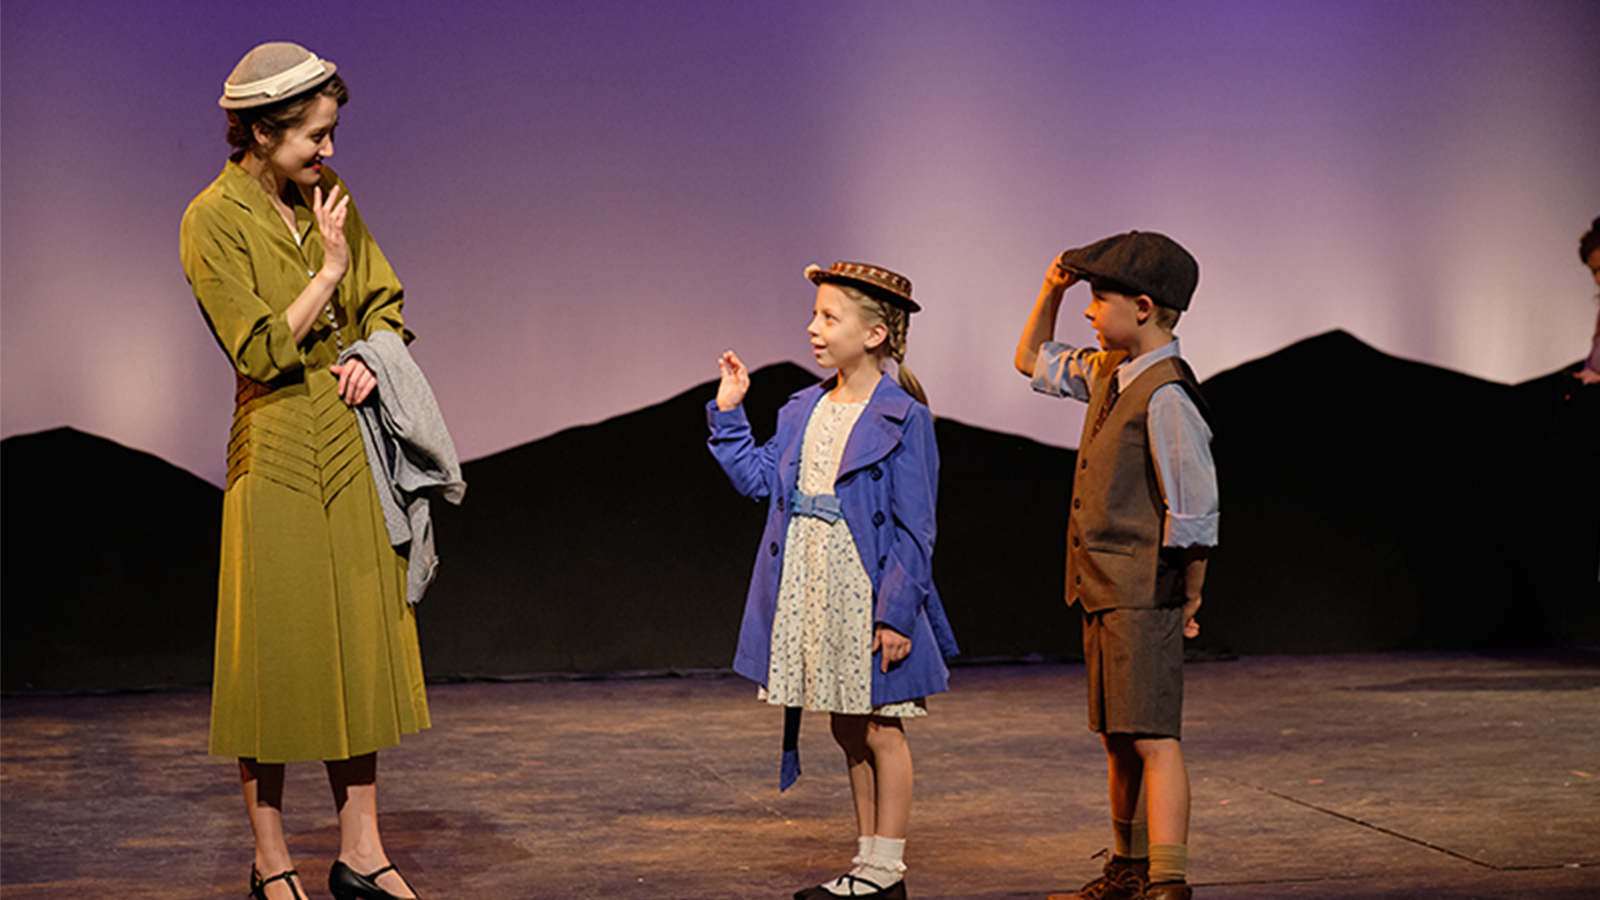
[{"x": 1118, "y": 508}]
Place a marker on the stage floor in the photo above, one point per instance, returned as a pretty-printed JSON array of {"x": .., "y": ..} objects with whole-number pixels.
[{"x": 1366, "y": 776}]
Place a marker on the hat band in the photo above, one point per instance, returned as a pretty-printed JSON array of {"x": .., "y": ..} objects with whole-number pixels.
[{"x": 288, "y": 79}]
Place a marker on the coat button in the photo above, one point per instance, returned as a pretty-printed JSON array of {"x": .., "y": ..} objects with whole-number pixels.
[
  {"x": 1074, "y": 540},
  {"x": 877, "y": 473},
  {"x": 882, "y": 560},
  {"x": 877, "y": 518},
  {"x": 1084, "y": 464},
  {"x": 1076, "y": 503},
  {"x": 772, "y": 548},
  {"x": 780, "y": 504},
  {"x": 1077, "y": 579}
]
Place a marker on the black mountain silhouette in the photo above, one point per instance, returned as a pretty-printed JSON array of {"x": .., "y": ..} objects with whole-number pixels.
[{"x": 1369, "y": 503}]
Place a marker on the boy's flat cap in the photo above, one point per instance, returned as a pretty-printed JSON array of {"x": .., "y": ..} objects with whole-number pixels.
[{"x": 1148, "y": 262}]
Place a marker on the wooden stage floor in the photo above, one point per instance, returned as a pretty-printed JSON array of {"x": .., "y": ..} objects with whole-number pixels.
[{"x": 1366, "y": 776}]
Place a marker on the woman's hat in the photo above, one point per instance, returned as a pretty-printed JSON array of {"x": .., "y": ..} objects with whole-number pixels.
[
  {"x": 272, "y": 72},
  {"x": 1150, "y": 263},
  {"x": 890, "y": 286}
]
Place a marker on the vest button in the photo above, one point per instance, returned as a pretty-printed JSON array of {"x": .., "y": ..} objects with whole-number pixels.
[
  {"x": 780, "y": 504},
  {"x": 1077, "y": 579},
  {"x": 1076, "y": 503},
  {"x": 882, "y": 560},
  {"x": 877, "y": 518},
  {"x": 877, "y": 473},
  {"x": 1084, "y": 464},
  {"x": 772, "y": 548},
  {"x": 1074, "y": 540}
]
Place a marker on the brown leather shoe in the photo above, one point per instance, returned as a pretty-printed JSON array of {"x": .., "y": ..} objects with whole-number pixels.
[
  {"x": 1123, "y": 879},
  {"x": 1168, "y": 890}
]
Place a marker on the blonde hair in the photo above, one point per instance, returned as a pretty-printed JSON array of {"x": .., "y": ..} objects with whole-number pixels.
[{"x": 897, "y": 321}]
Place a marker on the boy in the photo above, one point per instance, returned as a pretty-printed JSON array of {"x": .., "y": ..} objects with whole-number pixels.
[{"x": 1144, "y": 515}]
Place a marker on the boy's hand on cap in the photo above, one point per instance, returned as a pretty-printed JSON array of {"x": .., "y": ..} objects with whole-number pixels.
[{"x": 1058, "y": 277}]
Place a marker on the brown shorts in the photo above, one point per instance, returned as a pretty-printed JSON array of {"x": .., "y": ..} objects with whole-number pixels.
[{"x": 1135, "y": 662}]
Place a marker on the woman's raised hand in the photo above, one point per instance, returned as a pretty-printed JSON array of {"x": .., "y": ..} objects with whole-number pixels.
[
  {"x": 735, "y": 381},
  {"x": 330, "y": 223}
]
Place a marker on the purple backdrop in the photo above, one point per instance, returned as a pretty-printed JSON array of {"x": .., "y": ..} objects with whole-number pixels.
[{"x": 589, "y": 200}]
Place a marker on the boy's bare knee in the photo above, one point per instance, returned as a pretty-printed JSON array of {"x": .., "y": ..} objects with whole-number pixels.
[{"x": 1156, "y": 750}]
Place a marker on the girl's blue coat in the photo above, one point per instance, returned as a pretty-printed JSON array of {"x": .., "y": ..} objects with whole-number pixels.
[{"x": 887, "y": 486}]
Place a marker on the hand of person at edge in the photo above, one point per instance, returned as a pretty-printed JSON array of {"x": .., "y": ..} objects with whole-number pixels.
[
  {"x": 330, "y": 224},
  {"x": 356, "y": 381},
  {"x": 1587, "y": 376},
  {"x": 895, "y": 646},
  {"x": 1191, "y": 628},
  {"x": 735, "y": 381}
]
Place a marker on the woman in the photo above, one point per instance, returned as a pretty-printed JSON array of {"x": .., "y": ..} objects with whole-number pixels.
[
  {"x": 1589, "y": 252},
  {"x": 317, "y": 654}
]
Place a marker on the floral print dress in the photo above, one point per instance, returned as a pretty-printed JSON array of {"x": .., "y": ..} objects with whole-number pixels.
[{"x": 821, "y": 650}]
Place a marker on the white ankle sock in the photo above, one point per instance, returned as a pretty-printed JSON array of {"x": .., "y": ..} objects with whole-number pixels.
[
  {"x": 879, "y": 864},
  {"x": 863, "y": 849},
  {"x": 885, "y": 862}
]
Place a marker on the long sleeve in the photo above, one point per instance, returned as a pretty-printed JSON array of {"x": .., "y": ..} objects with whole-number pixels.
[
  {"x": 382, "y": 297},
  {"x": 1180, "y": 447},
  {"x": 749, "y": 467},
  {"x": 914, "y": 476},
  {"x": 216, "y": 253}
]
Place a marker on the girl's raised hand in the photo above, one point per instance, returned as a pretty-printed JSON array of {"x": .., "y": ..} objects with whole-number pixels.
[
  {"x": 735, "y": 381},
  {"x": 330, "y": 223}
]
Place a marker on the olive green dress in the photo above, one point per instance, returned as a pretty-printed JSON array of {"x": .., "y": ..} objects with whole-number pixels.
[{"x": 317, "y": 654}]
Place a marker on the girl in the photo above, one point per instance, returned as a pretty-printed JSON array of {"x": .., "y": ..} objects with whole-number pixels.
[
  {"x": 317, "y": 655},
  {"x": 842, "y": 614}
]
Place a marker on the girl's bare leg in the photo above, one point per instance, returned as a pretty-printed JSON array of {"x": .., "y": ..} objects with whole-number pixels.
[
  {"x": 263, "y": 800},
  {"x": 891, "y": 767},
  {"x": 355, "y": 794},
  {"x": 851, "y": 734}
]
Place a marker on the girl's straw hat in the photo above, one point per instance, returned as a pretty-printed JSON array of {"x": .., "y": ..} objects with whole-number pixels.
[
  {"x": 880, "y": 282},
  {"x": 273, "y": 72}
]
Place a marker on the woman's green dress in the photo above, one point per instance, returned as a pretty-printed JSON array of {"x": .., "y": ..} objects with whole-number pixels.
[{"x": 317, "y": 654}]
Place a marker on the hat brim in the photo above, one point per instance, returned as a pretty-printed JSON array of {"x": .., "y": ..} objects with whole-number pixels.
[
  {"x": 227, "y": 102},
  {"x": 823, "y": 276}
]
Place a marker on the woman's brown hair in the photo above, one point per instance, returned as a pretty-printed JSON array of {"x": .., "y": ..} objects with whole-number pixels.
[{"x": 276, "y": 118}]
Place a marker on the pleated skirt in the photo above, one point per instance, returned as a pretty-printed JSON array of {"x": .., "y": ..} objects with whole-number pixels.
[{"x": 317, "y": 654}]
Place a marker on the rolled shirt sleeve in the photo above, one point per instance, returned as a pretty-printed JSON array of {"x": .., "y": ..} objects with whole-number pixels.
[
  {"x": 1062, "y": 370},
  {"x": 1180, "y": 447}
]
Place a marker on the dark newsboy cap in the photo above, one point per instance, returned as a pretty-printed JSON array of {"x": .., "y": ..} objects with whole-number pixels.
[{"x": 1145, "y": 261}]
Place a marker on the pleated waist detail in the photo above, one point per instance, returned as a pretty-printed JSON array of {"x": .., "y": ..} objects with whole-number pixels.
[{"x": 300, "y": 435}]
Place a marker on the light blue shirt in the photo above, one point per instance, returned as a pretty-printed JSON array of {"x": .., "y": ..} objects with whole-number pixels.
[{"x": 1180, "y": 440}]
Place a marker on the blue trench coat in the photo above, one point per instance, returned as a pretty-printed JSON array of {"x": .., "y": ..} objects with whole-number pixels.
[{"x": 887, "y": 487}]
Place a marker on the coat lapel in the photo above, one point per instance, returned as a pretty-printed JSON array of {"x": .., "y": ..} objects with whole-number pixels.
[{"x": 879, "y": 429}]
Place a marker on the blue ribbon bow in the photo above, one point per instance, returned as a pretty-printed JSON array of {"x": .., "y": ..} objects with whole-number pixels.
[{"x": 822, "y": 506}]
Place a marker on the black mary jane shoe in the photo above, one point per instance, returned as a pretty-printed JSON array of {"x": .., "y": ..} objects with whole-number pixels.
[
  {"x": 258, "y": 885},
  {"x": 896, "y": 891},
  {"x": 348, "y": 884}
]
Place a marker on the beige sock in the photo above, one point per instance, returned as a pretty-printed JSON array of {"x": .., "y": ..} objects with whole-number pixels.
[
  {"x": 1168, "y": 862},
  {"x": 1132, "y": 838}
]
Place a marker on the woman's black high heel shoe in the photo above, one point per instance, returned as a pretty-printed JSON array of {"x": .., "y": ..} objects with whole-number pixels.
[
  {"x": 258, "y": 885},
  {"x": 347, "y": 884}
]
